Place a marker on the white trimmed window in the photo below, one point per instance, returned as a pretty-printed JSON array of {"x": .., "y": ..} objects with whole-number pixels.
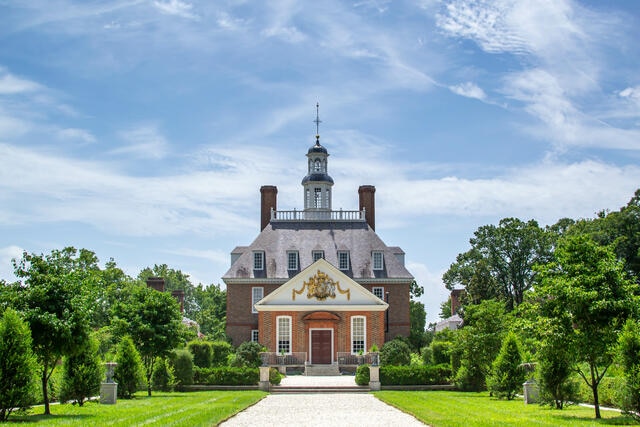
[
  {"x": 292, "y": 260},
  {"x": 378, "y": 260},
  {"x": 378, "y": 291},
  {"x": 283, "y": 331},
  {"x": 258, "y": 260},
  {"x": 254, "y": 335},
  {"x": 343, "y": 260},
  {"x": 317, "y": 255},
  {"x": 257, "y": 294},
  {"x": 317, "y": 197},
  {"x": 358, "y": 334}
]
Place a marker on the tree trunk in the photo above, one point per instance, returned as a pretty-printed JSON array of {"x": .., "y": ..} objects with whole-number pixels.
[
  {"x": 45, "y": 391},
  {"x": 594, "y": 387}
]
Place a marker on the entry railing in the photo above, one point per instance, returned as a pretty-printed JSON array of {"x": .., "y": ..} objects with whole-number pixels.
[
  {"x": 348, "y": 359},
  {"x": 278, "y": 359}
]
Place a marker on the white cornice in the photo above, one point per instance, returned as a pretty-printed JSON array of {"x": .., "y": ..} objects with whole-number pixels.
[{"x": 311, "y": 307}]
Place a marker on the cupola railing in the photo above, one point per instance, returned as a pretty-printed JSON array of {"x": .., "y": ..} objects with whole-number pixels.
[{"x": 320, "y": 215}]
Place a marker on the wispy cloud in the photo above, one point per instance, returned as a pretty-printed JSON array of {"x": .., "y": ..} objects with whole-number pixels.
[
  {"x": 144, "y": 142},
  {"x": 81, "y": 135},
  {"x": 469, "y": 90},
  {"x": 176, "y": 7},
  {"x": 11, "y": 84}
]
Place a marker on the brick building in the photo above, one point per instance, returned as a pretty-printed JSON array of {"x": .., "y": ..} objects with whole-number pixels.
[{"x": 317, "y": 282}]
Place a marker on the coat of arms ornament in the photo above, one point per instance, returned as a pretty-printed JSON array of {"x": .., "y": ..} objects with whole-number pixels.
[{"x": 321, "y": 287}]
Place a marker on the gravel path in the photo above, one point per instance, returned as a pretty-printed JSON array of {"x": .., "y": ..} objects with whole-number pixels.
[{"x": 322, "y": 409}]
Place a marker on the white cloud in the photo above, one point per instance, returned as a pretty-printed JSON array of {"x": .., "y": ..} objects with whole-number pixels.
[
  {"x": 76, "y": 134},
  {"x": 434, "y": 290},
  {"x": 144, "y": 142},
  {"x": 7, "y": 254},
  {"x": 469, "y": 90},
  {"x": 176, "y": 7},
  {"x": 11, "y": 85},
  {"x": 632, "y": 93}
]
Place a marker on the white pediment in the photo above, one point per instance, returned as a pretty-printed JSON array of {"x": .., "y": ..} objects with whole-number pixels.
[{"x": 321, "y": 286}]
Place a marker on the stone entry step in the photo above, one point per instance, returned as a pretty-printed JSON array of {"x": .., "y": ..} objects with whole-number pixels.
[
  {"x": 318, "y": 389},
  {"x": 321, "y": 370}
]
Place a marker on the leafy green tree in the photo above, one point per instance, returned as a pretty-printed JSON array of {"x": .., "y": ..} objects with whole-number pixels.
[
  {"x": 478, "y": 343},
  {"x": 211, "y": 317},
  {"x": 82, "y": 374},
  {"x": 585, "y": 290},
  {"x": 507, "y": 375},
  {"x": 445, "y": 309},
  {"x": 163, "y": 377},
  {"x": 499, "y": 263},
  {"x": 128, "y": 371},
  {"x": 17, "y": 364},
  {"x": 418, "y": 319},
  {"x": 555, "y": 365},
  {"x": 174, "y": 280},
  {"x": 153, "y": 321},
  {"x": 629, "y": 355},
  {"x": 395, "y": 352},
  {"x": 55, "y": 298},
  {"x": 619, "y": 229}
]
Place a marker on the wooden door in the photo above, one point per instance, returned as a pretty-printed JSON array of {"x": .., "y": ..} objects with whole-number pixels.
[{"x": 321, "y": 347}]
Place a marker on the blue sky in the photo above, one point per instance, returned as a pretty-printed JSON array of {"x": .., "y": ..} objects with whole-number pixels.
[{"x": 143, "y": 129}]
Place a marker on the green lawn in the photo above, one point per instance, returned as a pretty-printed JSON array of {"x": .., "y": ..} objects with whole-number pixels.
[
  {"x": 449, "y": 409},
  {"x": 205, "y": 408}
]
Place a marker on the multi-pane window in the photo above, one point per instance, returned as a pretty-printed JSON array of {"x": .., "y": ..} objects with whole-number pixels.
[
  {"x": 284, "y": 334},
  {"x": 378, "y": 260},
  {"x": 254, "y": 335},
  {"x": 317, "y": 197},
  {"x": 256, "y": 295},
  {"x": 379, "y": 292},
  {"x": 358, "y": 334},
  {"x": 292, "y": 260},
  {"x": 258, "y": 260},
  {"x": 317, "y": 255},
  {"x": 343, "y": 260}
]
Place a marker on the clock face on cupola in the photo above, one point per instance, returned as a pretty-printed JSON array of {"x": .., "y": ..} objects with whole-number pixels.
[{"x": 317, "y": 184}]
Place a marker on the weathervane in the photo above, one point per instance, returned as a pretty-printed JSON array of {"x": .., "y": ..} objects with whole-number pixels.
[{"x": 317, "y": 121}]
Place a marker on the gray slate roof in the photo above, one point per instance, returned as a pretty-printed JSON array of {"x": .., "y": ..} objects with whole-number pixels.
[{"x": 279, "y": 237}]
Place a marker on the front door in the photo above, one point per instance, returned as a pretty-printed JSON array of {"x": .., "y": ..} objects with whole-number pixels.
[{"x": 321, "y": 346}]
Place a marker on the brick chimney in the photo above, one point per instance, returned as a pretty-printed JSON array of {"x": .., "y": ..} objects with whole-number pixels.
[
  {"x": 179, "y": 296},
  {"x": 368, "y": 202},
  {"x": 456, "y": 296},
  {"x": 268, "y": 201},
  {"x": 156, "y": 283}
]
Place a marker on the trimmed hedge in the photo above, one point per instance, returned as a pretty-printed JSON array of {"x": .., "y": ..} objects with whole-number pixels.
[
  {"x": 226, "y": 376},
  {"x": 362, "y": 375},
  {"x": 415, "y": 375}
]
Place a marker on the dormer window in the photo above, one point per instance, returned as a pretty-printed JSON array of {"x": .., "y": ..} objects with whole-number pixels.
[
  {"x": 258, "y": 260},
  {"x": 377, "y": 260},
  {"x": 292, "y": 260},
  {"x": 317, "y": 255},
  {"x": 343, "y": 260}
]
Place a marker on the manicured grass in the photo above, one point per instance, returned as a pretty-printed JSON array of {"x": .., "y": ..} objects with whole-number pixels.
[
  {"x": 203, "y": 408},
  {"x": 449, "y": 409}
]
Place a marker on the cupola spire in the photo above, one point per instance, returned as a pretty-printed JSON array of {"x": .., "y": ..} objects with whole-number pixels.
[{"x": 317, "y": 184}]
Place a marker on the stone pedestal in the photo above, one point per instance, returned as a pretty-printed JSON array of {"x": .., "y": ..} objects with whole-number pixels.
[
  {"x": 108, "y": 393},
  {"x": 531, "y": 392},
  {"x": 264, "y": 383},
  {"x": 374, "y": 378}
]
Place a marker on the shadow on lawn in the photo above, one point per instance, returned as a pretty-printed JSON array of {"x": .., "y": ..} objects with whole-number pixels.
[{"x": 621, "y": 420}]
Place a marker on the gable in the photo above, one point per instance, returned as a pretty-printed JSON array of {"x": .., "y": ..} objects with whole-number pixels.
[{"x": 321, "y": 286}]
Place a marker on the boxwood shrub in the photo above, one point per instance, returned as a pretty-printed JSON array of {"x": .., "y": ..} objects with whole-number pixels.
[
  {"x": 362, "y": 375},
  {"x": 415, "y": 375},
  {"x": 226, "y": 376}
]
